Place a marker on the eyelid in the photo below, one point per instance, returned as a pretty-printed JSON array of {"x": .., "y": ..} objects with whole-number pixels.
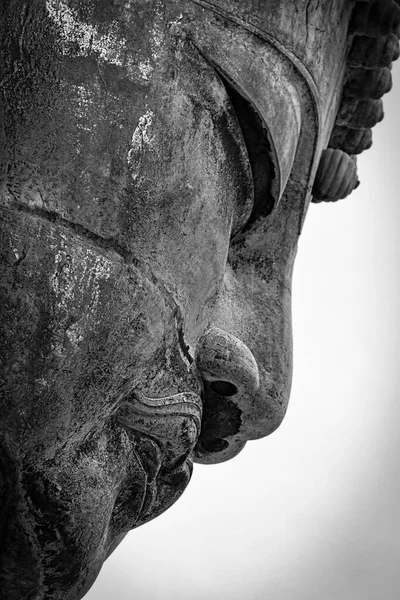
[{"x": 259, "y": 154}]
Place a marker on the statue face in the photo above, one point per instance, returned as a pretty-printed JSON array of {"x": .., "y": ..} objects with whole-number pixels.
[{"x": 148, "y": 248}]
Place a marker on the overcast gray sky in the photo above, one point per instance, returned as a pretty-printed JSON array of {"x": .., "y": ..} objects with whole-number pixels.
[{"x": 313, "y": 511}]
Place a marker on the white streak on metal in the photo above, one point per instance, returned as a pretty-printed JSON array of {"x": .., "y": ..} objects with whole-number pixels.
[
  {"x": 142, "y": 138},
  {"x": 76, "y": 281},
  {"x": 146, "y": 69},
  {"x": 108, "y": 46}
]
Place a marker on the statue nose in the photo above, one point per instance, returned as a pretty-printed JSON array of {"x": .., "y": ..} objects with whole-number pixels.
[{"x": 239, "y": 403}]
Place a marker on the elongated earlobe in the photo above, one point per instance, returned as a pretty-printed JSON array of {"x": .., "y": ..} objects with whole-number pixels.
[{"x": 336, "y": 177}]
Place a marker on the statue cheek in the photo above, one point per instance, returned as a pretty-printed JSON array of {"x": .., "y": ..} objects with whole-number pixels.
[{"x": 190, "y": 181}]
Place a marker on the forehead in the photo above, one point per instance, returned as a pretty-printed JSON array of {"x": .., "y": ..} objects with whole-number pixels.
[
  {"x": 277, "y": 53},
  {"x": 306, "y": 27}
]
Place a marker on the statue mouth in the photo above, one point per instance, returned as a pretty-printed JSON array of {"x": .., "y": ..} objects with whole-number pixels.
[
  {"x": 173, "y": 423},
  {"x": 162, "y": 433},
  {"x": 144, "y": 414}
]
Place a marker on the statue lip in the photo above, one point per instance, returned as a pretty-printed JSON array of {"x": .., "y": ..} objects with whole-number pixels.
[
  {"x": 172, "y": 422},
  {"x": 139, "y": 410},
  {"x": 163, "y": 432}
]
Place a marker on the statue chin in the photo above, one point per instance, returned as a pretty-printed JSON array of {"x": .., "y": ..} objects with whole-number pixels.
[{"x": 61, "y": 523}]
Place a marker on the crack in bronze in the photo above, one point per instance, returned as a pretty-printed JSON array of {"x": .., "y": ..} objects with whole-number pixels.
[{"x": 111, "y": 244}]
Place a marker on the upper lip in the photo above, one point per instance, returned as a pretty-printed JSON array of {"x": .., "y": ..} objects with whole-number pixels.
[{"x": 181, "y": 404}]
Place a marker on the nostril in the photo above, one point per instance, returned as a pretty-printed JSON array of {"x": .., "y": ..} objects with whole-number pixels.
[
  {"x": 212, "y": 445},
  {"x": 223, "y": 388}
]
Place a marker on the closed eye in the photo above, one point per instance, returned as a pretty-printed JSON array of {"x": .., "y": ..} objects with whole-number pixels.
[{"x": 259, "y": 151}]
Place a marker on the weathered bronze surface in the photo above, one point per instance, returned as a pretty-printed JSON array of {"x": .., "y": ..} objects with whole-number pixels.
[{"x": 157, "y": 160}]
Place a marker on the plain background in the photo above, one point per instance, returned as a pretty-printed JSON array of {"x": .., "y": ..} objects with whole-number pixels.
[{"x": 313, "y": 511}]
